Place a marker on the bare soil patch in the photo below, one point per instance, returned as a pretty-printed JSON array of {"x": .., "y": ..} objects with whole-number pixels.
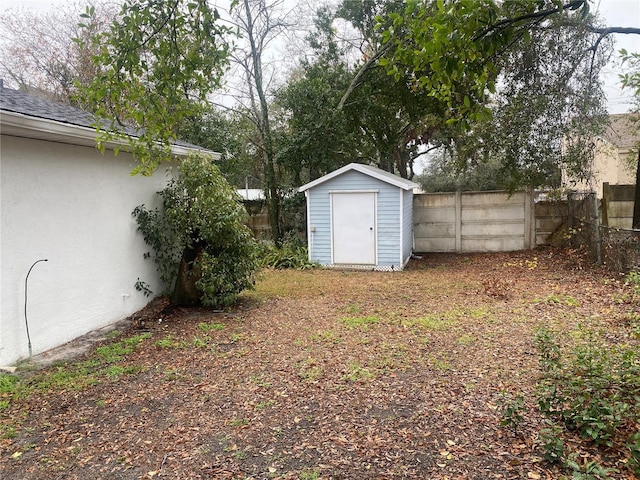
[{"x": 321, "y": 374}]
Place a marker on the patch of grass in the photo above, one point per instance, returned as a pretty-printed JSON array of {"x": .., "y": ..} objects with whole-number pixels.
[
  {"x": 136, "y": 339},
  {"x": 116, "y": 371},
  {"x": 200, "y": 342},
  {"x": 170, "y": 342},
  {"x": 66, "y": 377},
  {"x": 290, "y": 284},
  {"x": 208, "y": 327},
  {"x": 466, "y": 340},
  {"x": 386, "y": 363},
  {"x": 328, "y": 336},
  {"x": 240, "y": 422},
  {"x": 392, "y": 357},
  {"x": 361, "y": 323},
  {"x": 358, "y": 373},
  {"x": 309, "y": 474},
  {"x": 171, "y": 375},
  {"x": 440, "y": 363},
  {"x": 309, "y": 370},
  {"x": 429, "y": 322},
  {"x": 555, "y": 299},
  {"x": 8, "y": 383},
  {"x": 264, "y": 404},
  {"x": 114, "y": 352},
  {"x": 260, "y": 381},
  {"x": 479, "y": 312},
  {"x": 352, "y": 309},
  {"x": 8, "y": 432}
]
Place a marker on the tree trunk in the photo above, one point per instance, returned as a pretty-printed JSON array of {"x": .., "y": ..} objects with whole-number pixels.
[
  {"x": 636, "y": 198},
  {"x": 273, "y": 197},
  {"x": 185, "y": 292}
]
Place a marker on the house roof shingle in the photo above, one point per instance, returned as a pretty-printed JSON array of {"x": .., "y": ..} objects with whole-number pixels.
[
  {"x": 33, "y": 106},
  {"x": 26, "y": 104}
]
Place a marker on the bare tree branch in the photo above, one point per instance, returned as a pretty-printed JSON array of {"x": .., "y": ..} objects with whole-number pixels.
[{"x": 363, "y": 70}]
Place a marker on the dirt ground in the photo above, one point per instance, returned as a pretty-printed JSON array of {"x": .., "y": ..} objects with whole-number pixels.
[{"x": 320, "y": 375}]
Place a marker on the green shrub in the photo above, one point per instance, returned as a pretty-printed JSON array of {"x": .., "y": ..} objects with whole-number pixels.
[
  {"x": 512, "y": 407},
  {"x": 291, "y": 254},
  {"x": 593, "y": 390},
  {"x": 203, "y": 251}
]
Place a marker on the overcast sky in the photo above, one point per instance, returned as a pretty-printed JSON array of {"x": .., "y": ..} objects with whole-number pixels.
[{"x": 618, "y": 13}]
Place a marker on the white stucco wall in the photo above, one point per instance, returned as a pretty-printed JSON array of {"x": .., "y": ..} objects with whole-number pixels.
[{"x": 71, "y": 205}]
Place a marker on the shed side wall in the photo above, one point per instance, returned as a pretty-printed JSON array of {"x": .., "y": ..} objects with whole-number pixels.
[{"x": 407, "y": 234}]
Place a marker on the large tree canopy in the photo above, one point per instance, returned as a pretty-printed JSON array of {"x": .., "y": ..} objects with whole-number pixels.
[
  {"x": 518, "y": 80},
  {"x": 156, "y": 66}
]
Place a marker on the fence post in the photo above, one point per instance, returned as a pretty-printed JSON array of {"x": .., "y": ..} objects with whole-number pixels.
[
  {"x": 458, "y": 221},
  {"x": 606, "y": 196},
  {"x": 596, "y": 224},
  {"x": 529, "y": 219}
]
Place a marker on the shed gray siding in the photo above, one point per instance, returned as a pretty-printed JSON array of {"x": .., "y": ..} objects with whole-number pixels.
[
  {"x": 407, "y": 227},
  {"x": 388, "y": 217}
]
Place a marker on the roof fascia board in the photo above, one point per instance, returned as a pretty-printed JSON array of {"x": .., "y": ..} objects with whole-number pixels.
[{"x": 79, "y": 133}]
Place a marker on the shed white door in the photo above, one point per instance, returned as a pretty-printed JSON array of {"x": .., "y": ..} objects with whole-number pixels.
[{"x": 353, "y": 223}]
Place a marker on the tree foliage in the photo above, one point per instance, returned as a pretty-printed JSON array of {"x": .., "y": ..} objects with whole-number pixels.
[
  {"x": 39, "y": 52},
  {"x": 550, "y": 106},
  {"x": 156, "y": 66},
  {"x": 201, "y": 246},
  {"x": 224, "y": 132},
  {"x": 517, "y": 80},
  {"x": 443, "y": 174},
  {"x": 452, "y": 48},
  {"x": 380, "y": 121}
]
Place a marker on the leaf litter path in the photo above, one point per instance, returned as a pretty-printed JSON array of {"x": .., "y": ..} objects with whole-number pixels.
[{"x": 322, "y": 374}]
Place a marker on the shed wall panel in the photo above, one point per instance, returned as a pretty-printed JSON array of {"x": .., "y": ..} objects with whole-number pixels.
[
  {"x": 407, "y": 224},
  {"x": 389, "y": 250}
]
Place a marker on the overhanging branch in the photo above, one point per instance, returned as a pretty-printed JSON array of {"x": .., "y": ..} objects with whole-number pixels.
[{"x": 363, "y": 70}]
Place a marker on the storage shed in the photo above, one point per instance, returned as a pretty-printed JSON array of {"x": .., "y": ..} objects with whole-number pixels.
[{"x": 360, "y": 217}]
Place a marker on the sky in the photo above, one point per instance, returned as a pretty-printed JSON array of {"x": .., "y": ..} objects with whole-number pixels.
[{"x": 618, "y": 13}]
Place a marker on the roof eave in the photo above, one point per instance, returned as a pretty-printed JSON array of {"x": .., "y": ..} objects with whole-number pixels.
[{"x": 27, "y": 126}]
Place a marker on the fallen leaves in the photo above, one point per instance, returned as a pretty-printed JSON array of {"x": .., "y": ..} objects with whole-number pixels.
[{"x": 286, "y": 387}]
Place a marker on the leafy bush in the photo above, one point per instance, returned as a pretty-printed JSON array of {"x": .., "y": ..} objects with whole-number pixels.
[
  {"x": 512, "y": 407},
  {"x": 201, "y": 246},
  {"x": 291, "y": 254},
  {"x": 591, "y": 389}
]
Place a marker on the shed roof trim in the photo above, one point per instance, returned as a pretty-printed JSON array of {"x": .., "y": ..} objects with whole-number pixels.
[{"x": 367, "y": 170}]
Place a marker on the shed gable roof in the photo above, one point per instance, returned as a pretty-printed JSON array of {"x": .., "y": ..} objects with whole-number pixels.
[{"x": 373, "y": 172}]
